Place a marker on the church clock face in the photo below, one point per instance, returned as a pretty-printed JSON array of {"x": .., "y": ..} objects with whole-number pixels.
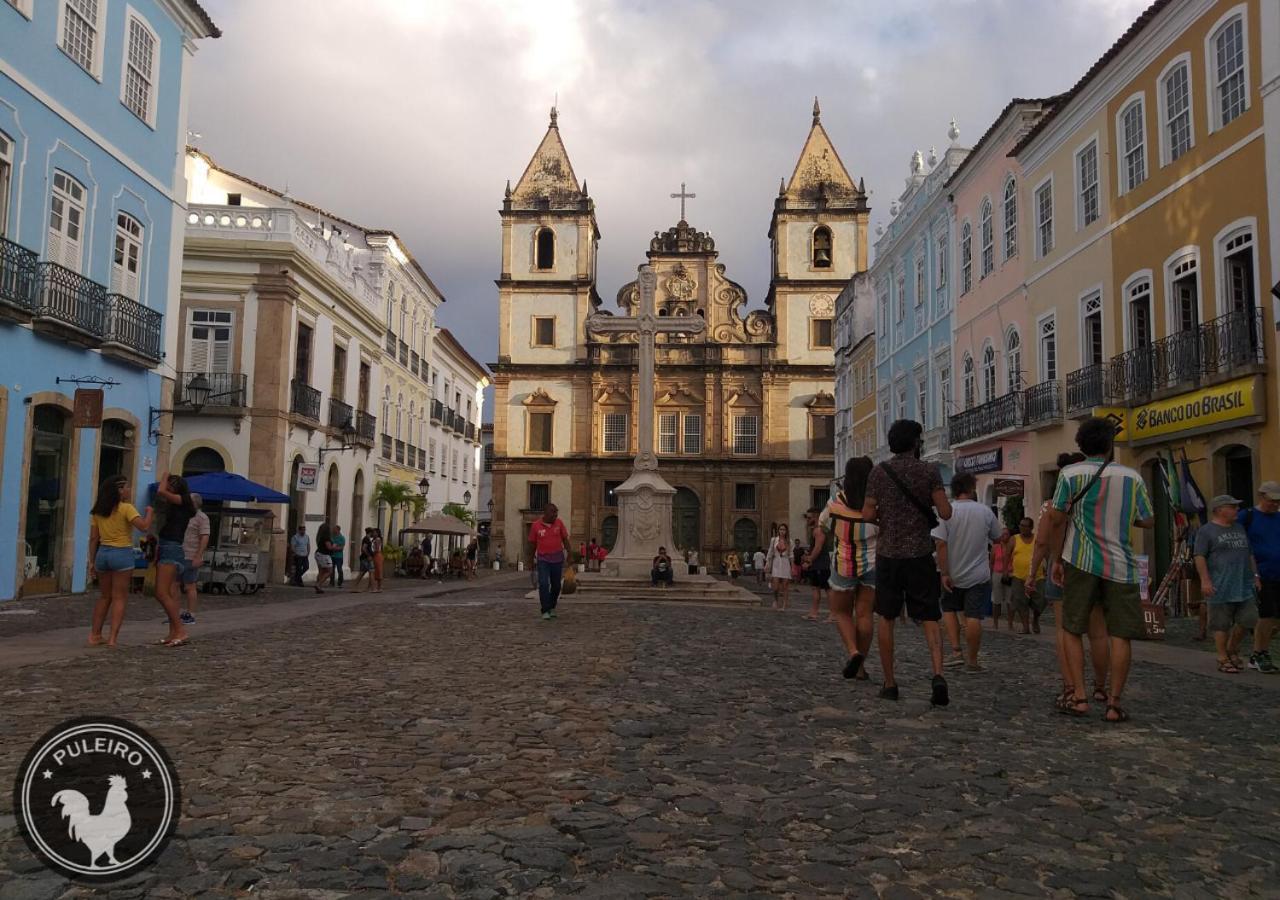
[{"x": 821, "y": 305}]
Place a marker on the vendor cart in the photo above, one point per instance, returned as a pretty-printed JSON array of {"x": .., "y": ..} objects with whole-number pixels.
[{"x": 238, "y": 559}]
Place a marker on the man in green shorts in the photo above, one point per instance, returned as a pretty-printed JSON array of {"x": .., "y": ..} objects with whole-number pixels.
[{"x": 1100, "y": 501}]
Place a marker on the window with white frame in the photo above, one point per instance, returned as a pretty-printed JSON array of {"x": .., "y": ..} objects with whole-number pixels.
[
  {"x": 66, "y": 221},
  {"x": 1044, "y": 219},
  {"x": 1013, "y": 360},
  {"x": 1138, "y": 300},
  {"x": 746, "y": 435},
  {"x": 988, "y": 231},
  {"x": 900, "y": 285},
  {"x": 1010, "y": 218},
  {"x": 1184, "y": 294},
  {"x": 922, "y": 399},
  {"x": 81, "y": 29},
  {"x": 138, "y": 89},
  {"x": 969, "y": 382},
  {"x": 944, "y": 392},
  {"x": 615, "y": 433},
  {"x": 1087, "y": 201},
  {"x": 1049, "y": 348},
  {"x": 1133, "y": 145},
  {"x": 6, "y": 176},
  {"x": 884, "y": 418},
  {"x": 966, "y": 258},
  {"x": 1091, "y": 328},
  {"x": 692, "y": 433},
  {"x": 901, "y": 399},
  {"x": 1238, "y": 273},
  {"x": 386, "y": 404},
  {"x": 1228, "y": 71},
  {"x": 920, "y": 279},
  {"x": 940, "y": 254},
  {"x": 988, "y": 373},
  {"x": 431, "y": 456},
  {"x": 1175, "y": 95},
  {"x": 126, "y": 258},
  {"x": 209, "y": 342},
  {"x": 668, "y": 432}
]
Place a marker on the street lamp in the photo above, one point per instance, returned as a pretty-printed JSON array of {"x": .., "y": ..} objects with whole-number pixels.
[
  {"x": 424, "y": 486},
  {"x": 348, "y": 432},
  {"x": 195, "y": 395},
  {"x": 466, "y": 497}
]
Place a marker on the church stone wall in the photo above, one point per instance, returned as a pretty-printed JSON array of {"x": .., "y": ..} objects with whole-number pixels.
[
  {"x": 795, "y": 312},
  {"x": 797, "y": 252},
  {"x": 520, "y": 390},
  {"x": 799, "y": 393},
  {"x": 523, "y": 308},
  {"x": 524, "y": 262}
]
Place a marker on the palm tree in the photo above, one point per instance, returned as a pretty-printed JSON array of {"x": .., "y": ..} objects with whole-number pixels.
[
  {"x": 460, "y": 512},
  {"x": 397, "y": 495}
]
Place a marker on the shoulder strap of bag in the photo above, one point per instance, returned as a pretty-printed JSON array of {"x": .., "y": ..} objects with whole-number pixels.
[
  {"x": 906, "y": 492},
  {"x": 1088, "y": 485}
]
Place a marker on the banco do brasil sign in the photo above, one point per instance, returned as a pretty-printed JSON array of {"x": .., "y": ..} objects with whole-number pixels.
[{"x": 1197, "y": 411}]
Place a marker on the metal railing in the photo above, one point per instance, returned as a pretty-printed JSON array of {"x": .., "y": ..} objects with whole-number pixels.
[
  {"x": 1086, "y": 388},
  {"x": 400, "y": 452},
  {"x": 414, "y": 361},
  {"x": 226, "y": 389},
  {"x": 437, "y": 411},
  {"x": 386, "y": 446},
  {"x": 1043, "y": 402},
  {"x": 304, "y": 400},
  {"x": 1232, "y": 341},
  {"x": 132, "y": 325},
  {"x": 366, "y": 427},
  {"x": 404, "y": 354},
  {"x": 1000, "y": 414},
  {"x": 471, "y": 431},
  {"x": 391, "y": 343},
  {"x": 340, "y": 414},
  {"x": 17, "y": 276},
  {"x": 70, "y": 298}
]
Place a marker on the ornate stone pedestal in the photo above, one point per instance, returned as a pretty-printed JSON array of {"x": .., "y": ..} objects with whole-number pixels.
[{"x": 644, "y": 515}]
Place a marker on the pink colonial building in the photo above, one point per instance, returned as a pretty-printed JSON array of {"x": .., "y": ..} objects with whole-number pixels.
[{"x": 997, "y": 400}]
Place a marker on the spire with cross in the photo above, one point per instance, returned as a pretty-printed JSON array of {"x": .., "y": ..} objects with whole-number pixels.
[{"x": 682, "y": 196}]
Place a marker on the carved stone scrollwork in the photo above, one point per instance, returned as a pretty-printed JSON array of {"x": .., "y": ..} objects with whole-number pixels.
[{"x": 759, "y": 323}]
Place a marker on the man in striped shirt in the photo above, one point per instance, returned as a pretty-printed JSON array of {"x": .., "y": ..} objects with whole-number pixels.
[{"x": 1099, "y": 502}]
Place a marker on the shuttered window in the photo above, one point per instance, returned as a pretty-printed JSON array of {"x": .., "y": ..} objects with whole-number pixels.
[
  {"x": 126, "y": 262},
  {"x": 66, "y": 221},
  {"x": 668, "y": 433},
  {"x": 692, "y": 433},
  {"x": 209, "y": 341}
]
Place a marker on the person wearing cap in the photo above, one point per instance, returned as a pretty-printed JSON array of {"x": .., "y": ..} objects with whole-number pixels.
[
  {"x": 1228, "y": 580},
  {"x": 1262, "y": 524}
]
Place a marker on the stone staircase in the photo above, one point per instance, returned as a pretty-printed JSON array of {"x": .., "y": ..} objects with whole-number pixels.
[{"x": 687, "y": 589}]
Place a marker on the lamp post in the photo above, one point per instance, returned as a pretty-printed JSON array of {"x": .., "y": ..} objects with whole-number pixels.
[
  {"x": 196, "y": 394},
  {"x": 424, "y": 489}
]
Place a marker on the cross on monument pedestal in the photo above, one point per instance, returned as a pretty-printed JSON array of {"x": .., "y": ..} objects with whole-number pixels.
[
  {"x": 682, "y": 196},
  {"x": 644, "y": 499}
]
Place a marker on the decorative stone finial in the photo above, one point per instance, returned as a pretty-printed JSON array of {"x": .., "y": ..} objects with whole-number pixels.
[
  {"x": 953, "y": 132},
  {"x": 933, "y": 157},
  {"x": 554, "y": 115},
  {"x": 894, "y": 207},
  {"x": 584, "y": 187},
  {"x": 862, "y": 186},
  {"x": 880, "y": 230},
  {"x": 817, "y": 111},
  {"x": 782, "y": 186},
  {"x": 507, "y": 193},
  {"x": 917, "y": 162}
]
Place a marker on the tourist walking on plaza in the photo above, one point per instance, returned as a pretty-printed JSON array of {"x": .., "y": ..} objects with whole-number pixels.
[
  {"x": 1262, "y": 524},
  {"x": 853, "y": 560},
  {"x": 376, "y": 547},
  {"x": 1048, "y": 546},
  {"x": 1028, "y": 604},
  {"x": 324, "y": 555},
  {"x": 337, "y": 552},
  {"x": 112, "y": 522},
  {"x": 365, "y": 560},
  {"x": 1229, "y": 580},
  {"x": 1099, "y": 501},
  {"x": 194, "y": 543},
  {"x": 757, "y": 562},
  {"x": 300, "y": 549},
  {"x": 816, "y": 563},
  {"x": 902, "y": 495},
  {"x": 964, "y": 559},
  {"x": 778, "y": 563},
  {"x": 549, "y": 542},
  {"x": 170, "y": 557},
  {"x": 1001, "y": 580}
]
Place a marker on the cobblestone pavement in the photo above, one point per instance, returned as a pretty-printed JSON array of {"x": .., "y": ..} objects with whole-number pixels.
[{"x": 461, "y": 747}]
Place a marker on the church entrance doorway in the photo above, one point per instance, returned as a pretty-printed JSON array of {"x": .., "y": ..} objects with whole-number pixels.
[
  {"x": 48, "y": 496},
  {"x": 609, "y": 532},
  {"x": 685, "y": 520},
  {"x": 746, "y": 538},
  {"x": 115, "y": 450}
]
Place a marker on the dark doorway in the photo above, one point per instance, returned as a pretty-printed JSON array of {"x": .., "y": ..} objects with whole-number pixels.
[
  {"x": 202, "y": 461},
  {"x": 609, "y": 532},
  {"x": 47, "y": 498},
  {"x": 1160, "y": 544},
  {"x": 746, "y": 537},
  {"x": 115, "y": 450},
  {"x": 297, "y": 499},
  {"x": 685, "y": 518},
  {"x": 1238, "y": 469}
]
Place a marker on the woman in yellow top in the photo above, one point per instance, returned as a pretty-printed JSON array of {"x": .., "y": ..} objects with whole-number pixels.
[
  {"x": 111, "y": 528},
  {"x": 1020, "y": 551}
]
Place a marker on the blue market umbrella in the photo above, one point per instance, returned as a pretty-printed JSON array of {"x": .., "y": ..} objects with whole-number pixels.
[{"x": 229, "y": 486}]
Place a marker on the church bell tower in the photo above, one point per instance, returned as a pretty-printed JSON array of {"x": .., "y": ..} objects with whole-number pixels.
[{"x": 818, "y": 236}]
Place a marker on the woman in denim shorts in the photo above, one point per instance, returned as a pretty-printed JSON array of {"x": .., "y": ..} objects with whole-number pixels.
[
  {"x": 853, "y": 560},
  {"x": 112, "y": 522},
  {"x": 170, "y": 558}
]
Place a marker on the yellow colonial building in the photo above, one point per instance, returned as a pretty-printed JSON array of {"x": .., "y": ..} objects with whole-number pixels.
[{"x": 1149, "y": 233}]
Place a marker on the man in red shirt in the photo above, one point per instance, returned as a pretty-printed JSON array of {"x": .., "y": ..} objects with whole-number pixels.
[{"x": 549, "y": 540}]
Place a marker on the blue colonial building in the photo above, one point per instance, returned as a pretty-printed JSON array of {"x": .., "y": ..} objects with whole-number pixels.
[
  {"x": 912, "y": 280},
  {"x": 92, "y": 134}
]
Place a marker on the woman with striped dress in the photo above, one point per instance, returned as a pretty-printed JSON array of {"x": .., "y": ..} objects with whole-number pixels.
[{"x": 853, "y": 562}]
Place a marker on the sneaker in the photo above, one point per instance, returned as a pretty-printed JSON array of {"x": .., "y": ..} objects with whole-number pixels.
[
  {"x": 940, "y": 696},
  {"x": 1261, "y": 662},
  {"x": 954, "y": 661},
  {"x": 546, "y": 617},
  {"x": 187, "y": 618},
  {"x": 552, "y": 614},
  {"x": 889, "y": 692}
]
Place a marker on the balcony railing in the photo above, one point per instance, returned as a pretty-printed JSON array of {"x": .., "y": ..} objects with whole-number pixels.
[
  {"x": 340, "y": 414},
  {"x": 1043, "y": 403},
  {"x": 422, "y": 458},
  {"x": 391, "y": 343},
  {"x": 400, "y": 452},
  {"x": 1232, "y": 341},
  {"x": 226, "y": 390},
  {"x": 1086, "y": 388},
  {"x": 414, "y": 361},
  {"x": 17, "y": 279},
  {"x": 471, "y": 431},
  {"x": 437, "y": 411},
  {"x": 304, "y": 400},
  {"x": 133, "y": 327},
  {"x": 404, "y": 354},
  {"x": 68, "y": 299},
  {"x": 386, "y": 446},
  {"x": 1001, "y": 414},
  {"x": 366, "y": 427}
]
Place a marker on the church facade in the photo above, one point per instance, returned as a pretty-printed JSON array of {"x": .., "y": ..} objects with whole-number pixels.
[{"x": 744, "y": 412}]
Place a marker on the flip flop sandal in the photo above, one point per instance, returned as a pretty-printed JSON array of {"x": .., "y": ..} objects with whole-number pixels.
[
  {"x": 1121, "y": 715},
  {"x": 1099, "y": 694},
  {"x": 1227, "y": 667},
  {"x": 854, "y": 666},
  {"x": 1068, "y": 706},
  {"x": 178, "y": 643}
]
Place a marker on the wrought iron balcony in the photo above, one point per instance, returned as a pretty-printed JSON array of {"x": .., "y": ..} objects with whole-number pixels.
[
  {"x": 471, "y": 431},
  {"x": 1001, "y": 414},
  {"x": 69, "y": 305},
  {"x": 386, "y": 446},
  {"x": 400, "y": 452},
  {"x": 437, "y": 411},
  {"x": 366, "y": 427},
  {"x": 341, "y": 414},
  {"x": 132, "y": 331},
  {"x": 227, "y": 390},
  {"x": 1043, "y": 403},
  {"x": 1231, "y": 342},
  {"x": 391, "y": 343},
  {"x": 304, "y": 400},
  {"x": 404, "y": 354},
  {"x": 414, "y": 361},
  {"x": 1086, "y": 388},
  {"x": 17, "y": 281}
]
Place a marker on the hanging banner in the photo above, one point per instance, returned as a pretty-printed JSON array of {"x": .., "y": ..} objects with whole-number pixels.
[
  {"x": 977, "y": 463},
  {"x": 308, "y": 476},
  {"x": 88, "y": 408},
  {"x": 1010, "y": 487}
]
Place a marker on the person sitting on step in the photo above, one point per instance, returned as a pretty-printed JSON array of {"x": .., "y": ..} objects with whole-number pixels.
[{"x": 662, "y": 573}]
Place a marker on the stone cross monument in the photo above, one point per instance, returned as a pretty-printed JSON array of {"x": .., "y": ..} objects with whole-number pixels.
[{"x": 644, "y": 499}]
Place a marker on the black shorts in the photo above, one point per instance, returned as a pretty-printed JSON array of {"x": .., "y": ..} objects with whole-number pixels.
[
  {"x": 910, "y": 583},
  {"x": 820, "y": 578},
  {"x": 1269, "y": 600}
]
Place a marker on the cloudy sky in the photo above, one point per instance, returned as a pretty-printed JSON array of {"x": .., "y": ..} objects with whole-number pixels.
[{"x": 412, "y": 114}]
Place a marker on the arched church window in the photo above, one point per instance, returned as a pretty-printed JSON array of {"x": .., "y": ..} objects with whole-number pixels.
[
  {"x": 822, "y": 247},
  {"x": 545, "y": 249}
]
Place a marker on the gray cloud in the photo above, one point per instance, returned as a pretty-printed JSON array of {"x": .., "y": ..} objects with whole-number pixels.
[{"x": 412, "y": 115}]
